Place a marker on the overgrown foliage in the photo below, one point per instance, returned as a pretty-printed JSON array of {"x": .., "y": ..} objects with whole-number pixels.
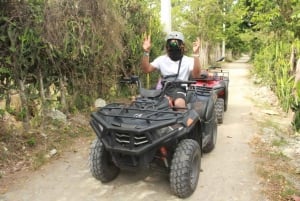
[
  {"x": 64, "y": 54},
  {"x": 215, "y": 22},
  {"x": 272, "y": 31}
]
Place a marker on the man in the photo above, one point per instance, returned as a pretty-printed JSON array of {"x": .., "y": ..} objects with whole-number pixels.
[{"x": 174, "y": 62}]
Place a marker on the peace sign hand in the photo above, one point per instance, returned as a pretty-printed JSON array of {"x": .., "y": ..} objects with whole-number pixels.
[
  {"x": 147, "y": 43},
  {"x": 196, "y": 46}
]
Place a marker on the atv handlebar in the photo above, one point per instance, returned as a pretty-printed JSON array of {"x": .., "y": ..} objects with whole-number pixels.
[
  {"x": 214, "y": 67},
  {"x": 135, "y": 80},
  {"x": 131, "y": 80},
  {"x": 220, "y": 59},
  {"x": 167, "y": 81},
  {"x": 178, "y": 82}
]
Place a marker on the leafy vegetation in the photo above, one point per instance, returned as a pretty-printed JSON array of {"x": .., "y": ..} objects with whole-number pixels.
[
  {"x": 62, "y": 55},
  {"x": 65, "y": 54},
  {"x": 271, "y": 30}
]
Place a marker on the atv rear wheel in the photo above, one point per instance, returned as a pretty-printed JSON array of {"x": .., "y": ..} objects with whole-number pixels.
[
  {"x": 185, "y": 168},
  {"x": 220, "y": 110},
  {"x": 101, "y": 164}
]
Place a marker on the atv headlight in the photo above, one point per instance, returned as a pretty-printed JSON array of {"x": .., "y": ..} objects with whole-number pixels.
[
  {"x": 162, "y": 131},
  {"x": 100, "y": 127},
  {"x": 165, "y": 130},
  {"x": 189, "y": 121}
]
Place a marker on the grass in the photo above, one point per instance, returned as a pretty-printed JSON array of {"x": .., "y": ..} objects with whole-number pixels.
[
  {"x": 279, "y": 142},
  {"x": 39, "y": 160},
  {"x": 32, "y": 148},
  {"x": 270, "y": 124},
  {"x": 273, "y": 165}
]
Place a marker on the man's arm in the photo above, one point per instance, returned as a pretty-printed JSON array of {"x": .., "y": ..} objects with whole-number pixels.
[
  {"x": 145, "y": 64},
  {"x": 197, "y": 66}
]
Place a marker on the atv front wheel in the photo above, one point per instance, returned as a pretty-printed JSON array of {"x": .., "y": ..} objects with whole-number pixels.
[
  {"x": 220, "y": 109},
  {"x": 185, "y": 168},
  {"x": 101, "y": 164}
]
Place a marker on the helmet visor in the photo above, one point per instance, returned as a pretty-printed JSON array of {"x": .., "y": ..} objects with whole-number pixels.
[{"x": 173, "y": 44}]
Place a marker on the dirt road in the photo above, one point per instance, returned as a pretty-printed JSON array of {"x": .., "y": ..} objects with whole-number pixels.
[{"x": 228, "y": 171}]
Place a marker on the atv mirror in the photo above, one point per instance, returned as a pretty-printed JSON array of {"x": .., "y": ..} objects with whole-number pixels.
[
  {"x": 214, "y": 67},
  {"x": 130, "y": 80},
  {"x": 220, "y": 59},
  {"x": 203, "y": 75},
  {"x": 134, "y": 78},
  {"x": 125, "y": 80}
]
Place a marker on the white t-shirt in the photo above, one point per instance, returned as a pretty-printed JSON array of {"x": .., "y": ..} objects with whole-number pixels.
[{"x": 166, "y": 66}]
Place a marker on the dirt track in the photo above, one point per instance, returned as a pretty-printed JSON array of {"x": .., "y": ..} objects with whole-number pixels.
[{"x": 228, "y": 171}]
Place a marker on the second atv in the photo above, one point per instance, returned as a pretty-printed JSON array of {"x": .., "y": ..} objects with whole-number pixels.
[{"x": 216, "y": 79}]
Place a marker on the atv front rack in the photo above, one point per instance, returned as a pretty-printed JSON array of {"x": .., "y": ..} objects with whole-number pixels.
[
  {"x": 130, "y": 130},
  {"x": 122, "y": 114}
]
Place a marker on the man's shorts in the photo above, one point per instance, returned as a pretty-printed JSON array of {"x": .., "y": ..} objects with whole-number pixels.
[{"x": 176, "y": 92}]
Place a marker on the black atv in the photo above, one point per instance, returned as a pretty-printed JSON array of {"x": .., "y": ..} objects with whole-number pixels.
[{"x": 149, "y": 131}]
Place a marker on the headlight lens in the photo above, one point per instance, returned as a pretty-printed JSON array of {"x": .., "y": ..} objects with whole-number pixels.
[
  {"x": 100, "y": 127},
  {"x": 163, "y": 131}
]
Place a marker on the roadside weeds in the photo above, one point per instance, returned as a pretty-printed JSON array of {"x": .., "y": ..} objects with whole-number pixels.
[{"x": 277, "y": 148}]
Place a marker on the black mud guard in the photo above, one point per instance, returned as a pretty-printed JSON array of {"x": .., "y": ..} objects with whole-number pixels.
[
  {"x": 192, "y": 115},
  {"x": 210, "y": 109}
]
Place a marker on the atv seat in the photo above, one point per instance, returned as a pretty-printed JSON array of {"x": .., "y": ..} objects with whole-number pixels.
[
  {"x": 151, "y": 98},
  {"x": 150, "y": 93}
]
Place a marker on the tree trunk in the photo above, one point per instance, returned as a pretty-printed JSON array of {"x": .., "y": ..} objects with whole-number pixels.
[
  {"x": 7, "y": 97},
  {"x": 63, "y": 101},
  {"x": 42, "y": 95},
  {"x": 42, "y": 90},
  {"x": 24, "y": 104}
]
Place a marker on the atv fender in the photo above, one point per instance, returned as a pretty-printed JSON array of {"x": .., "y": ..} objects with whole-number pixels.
[
  {"x": 192, "y": 116},
  {"x": 203, "y": 105}
]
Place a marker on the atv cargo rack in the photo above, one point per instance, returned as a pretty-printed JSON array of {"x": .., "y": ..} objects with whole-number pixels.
[
  {"x": 213, "y": 76},
  {"x": 135, "y": 130}
]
